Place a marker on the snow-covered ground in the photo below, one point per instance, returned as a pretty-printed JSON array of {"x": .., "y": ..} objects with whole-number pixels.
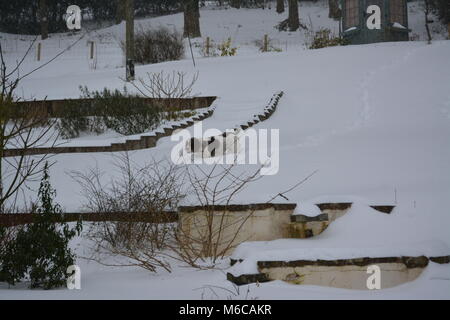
[{"x": 374, "y": 120}]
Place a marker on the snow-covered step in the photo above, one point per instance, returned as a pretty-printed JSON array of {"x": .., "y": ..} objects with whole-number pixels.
[
  {"x": 350, "y": 268},
  {"x": 262, "y": 116},
  {"x": 135, "y": 142}
]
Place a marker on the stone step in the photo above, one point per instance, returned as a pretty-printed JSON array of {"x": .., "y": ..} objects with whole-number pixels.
[{"x": 343, "y": 273}]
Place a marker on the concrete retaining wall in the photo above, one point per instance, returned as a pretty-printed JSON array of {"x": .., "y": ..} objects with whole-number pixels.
[
  {"x": 343, "y": 273},
  {"x": 231, "y": 225}
]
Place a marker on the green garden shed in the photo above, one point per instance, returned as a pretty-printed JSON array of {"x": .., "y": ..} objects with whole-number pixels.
[{"x": 369, "y": 21}]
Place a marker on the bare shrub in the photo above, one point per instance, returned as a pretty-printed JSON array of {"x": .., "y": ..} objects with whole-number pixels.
[
  {"x": 159, "y": 85},
  {"x": 153, "y": 189},
  {"x": 156, "y": 189},
  {"x": 21, "y": 128},
  {"x": 157, "y": 45}
]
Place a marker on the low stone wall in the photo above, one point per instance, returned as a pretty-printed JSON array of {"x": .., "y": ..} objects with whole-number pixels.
[
  {"x": 334, "y": 210},
  {"x": 343, "y": 273},
  {"x": 233, "y": 224},
  {"x": 347, "y": 274},
  {"x": 302, "y": 226}
]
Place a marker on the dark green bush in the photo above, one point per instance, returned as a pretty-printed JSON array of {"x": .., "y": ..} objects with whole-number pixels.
[
  {"x": 100, "y": 110},
  {"x": 157, "y": 45},
  {"x": 40, "y": 251}
]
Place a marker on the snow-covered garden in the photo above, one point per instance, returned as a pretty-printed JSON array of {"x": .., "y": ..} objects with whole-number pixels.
[{"x": 364, "y": 124}]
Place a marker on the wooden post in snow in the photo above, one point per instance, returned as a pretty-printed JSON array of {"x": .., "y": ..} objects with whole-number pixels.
[
  {"x": 38, "y": 55},
  {"x": 208, "y": 43},
  {"x": 266, "y": 43},
  {"x": 129, "y": 55},
  {"x": 91, "y": 54}
]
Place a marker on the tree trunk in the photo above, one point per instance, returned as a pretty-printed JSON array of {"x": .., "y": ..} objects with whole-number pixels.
[
  {"x": 293, "y": 19},
  {"x": 235, "y": 4},
  {"x": 335, "y": 12},
  {"x": 43, "y": 16},
  {"x": 427, "y": 21},
  {"x": 280, "y": 6},
  {"x": 129, "y": 45},
  {"x": 192, "y": 19},
  {"x": 120, "y": 11}
]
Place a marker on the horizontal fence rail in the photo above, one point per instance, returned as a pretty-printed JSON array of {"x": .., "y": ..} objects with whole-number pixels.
[{"x": 16, "y": 219}]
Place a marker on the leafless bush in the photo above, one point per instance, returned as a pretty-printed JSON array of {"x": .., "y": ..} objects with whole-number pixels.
[
  {"x": 153, "y": 189},
  {"x": 157, "y": 45},
  {"x": 198, "y": 240},
  {"x": 21, "y": 128},
  {"x": 159, "y": 85}
]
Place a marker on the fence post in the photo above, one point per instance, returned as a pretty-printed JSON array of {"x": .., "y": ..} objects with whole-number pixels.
[
  {"x": 207, "y": 45},
  {"x": 266, "y": 43},
  {"x": 39, "y": 51},
  {"x": 91, "y": 56}
]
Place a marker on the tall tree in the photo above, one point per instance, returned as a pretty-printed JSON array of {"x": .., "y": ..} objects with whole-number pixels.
[
  {"x": 192, "y": 19},
  {"x": 280, "y": 6},
  {"x": 427, "y": 20},
  {"x": 120, "y": 11},
  {"x": 293, "y": 19},
  {"x": 335, "y": 11},
  {"x": 43, "y": 16},
  {"x": 129, "y": 12}
]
